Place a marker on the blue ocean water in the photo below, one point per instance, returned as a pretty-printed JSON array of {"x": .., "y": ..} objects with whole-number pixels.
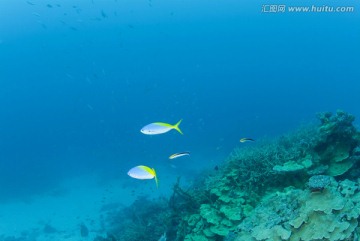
[{"x": 79, "y": 79}]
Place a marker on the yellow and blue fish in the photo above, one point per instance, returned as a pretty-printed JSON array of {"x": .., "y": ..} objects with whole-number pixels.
[
  {"x": 143, "y": 172},
  {"x": 160, "y": 128}
]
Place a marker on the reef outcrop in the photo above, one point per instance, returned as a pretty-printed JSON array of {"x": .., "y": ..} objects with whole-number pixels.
[
  {"x": 301, "y": 186},
  {"x": 296, "y": 214},
  {"x": 290, "y": 188}
]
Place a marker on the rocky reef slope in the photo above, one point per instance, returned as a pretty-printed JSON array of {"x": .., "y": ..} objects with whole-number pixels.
[{"x": 300, "y": 186}]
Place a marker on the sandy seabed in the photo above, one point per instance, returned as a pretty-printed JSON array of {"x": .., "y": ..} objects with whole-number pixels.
[{"x": 59, "y": 214}]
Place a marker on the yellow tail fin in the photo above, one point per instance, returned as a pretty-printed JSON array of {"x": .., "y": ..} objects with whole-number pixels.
[
  {"x": 176, "y": 127},
  {"x": 156, "y": 179}
]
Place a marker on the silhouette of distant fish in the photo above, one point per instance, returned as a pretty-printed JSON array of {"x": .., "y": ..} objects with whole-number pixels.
[
  {"x": 242, "y": 140},
  {"x": 103, "y": 14}
]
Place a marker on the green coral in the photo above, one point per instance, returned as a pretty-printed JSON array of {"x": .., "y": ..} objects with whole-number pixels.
[{"x": 216, "y": 219}]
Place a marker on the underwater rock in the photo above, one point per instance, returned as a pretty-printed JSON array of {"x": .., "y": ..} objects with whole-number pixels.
[{"x": 318, "y": 182}]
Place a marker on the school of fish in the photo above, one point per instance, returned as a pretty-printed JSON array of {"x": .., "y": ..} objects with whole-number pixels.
[{"x": 144, "y": 172}]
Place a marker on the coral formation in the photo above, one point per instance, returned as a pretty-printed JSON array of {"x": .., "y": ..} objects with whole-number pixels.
[
  {"x": 218, "y": 215},
  {"x": 305, "y": 215},
  {"x": 143, "y": 220},
  {"x": 300, "y": 186},
  {"x": 292, "y": 166},
  {"x": 292, "y": 160},
  {"x": 337, "y": 139},
  {"x": 318, "y": 182}
]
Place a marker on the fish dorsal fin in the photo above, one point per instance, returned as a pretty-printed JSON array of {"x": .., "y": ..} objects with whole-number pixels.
[
  {"x": 145, "y": 168},
  {"x": 163, "y": 124}
]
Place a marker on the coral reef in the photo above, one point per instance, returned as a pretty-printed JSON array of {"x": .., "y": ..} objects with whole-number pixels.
[
  {"x": 304, "y": 215},
  {"x": 337, "y": 139},
  {"x": 213, "y": 213},
  {"x": 292, "y": 163},
  {"x": 318, "y": 182},
  {"x": 144, "y": 220},
  {"x": 300, "y": 186}
]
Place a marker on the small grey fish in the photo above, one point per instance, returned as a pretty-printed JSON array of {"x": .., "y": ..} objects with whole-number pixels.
[
  {"x": 176, "y": 155},
  {"x": 242, "y": 140}
]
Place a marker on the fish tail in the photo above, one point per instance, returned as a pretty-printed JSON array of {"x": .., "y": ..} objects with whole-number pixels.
[
  {"x": 176, "y": 127},
  {"x": 156, "y": 179}
]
